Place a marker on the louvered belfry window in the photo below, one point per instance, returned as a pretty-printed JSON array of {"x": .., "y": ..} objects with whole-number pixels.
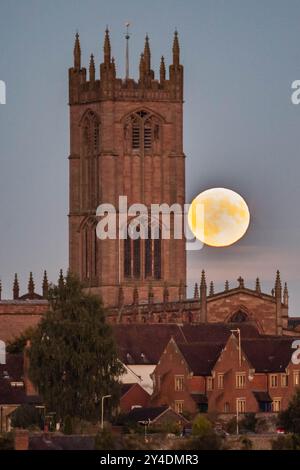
[{"x": 144, "y": 131}]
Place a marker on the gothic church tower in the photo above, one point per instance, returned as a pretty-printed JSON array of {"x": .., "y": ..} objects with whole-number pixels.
[{"x": 126, "y": 139}]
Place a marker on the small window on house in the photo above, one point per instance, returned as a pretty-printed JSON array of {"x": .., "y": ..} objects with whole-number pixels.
[
  {"x": 273, "y": 380},
  {"x": 240, "y": 380},
  {"x": 296, "y": 378},
  {"x": 241, "y": 405},
  {"x": 209, "y": 383},
  {"x": 276, "y": 405},
  {"x": 221, "y": 381},
  {"x": 284, "y": 380},
  {"x": 179, "y": 383},
  {"x": 179, "y": 406}
]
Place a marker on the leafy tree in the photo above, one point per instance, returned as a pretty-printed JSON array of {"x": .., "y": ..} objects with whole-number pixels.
[
  {"x": 289, "y": 419},
  {"x": 73, "y": 360},
  {"x": 201, "y": 426},
  {"x": 203, "y": 436},
  {"x": 27, "y": 416},
  {"x": 290, "y": 442},
  {"x": 248, "y": 423}
]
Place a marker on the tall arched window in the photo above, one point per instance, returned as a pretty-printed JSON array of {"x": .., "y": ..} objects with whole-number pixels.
[
  {"x": 90, "y": 147},
  {"x": 142, "y": 257},
  {"x": 89, "y": 252}
]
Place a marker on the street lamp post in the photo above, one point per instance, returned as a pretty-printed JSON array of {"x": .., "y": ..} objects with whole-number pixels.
[
  {"x": 102, "y": 409},
  {"x": 145, "y": 424}
]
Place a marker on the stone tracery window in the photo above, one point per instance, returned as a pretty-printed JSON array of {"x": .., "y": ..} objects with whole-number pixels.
[
  {"x": 142, "y": 257},
  {"x": 90, "y": 147},
  {"x": 239, "y": 317},
  {"x": 89, "y": 252}
]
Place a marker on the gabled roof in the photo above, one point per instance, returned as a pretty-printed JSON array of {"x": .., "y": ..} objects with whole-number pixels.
[
  {"x": 126, "y": 387},
  {"x": 147, "y": 413},
  {"x": 201, "y": 357},
  {"x": 269, "y": 354},
  {"x": 144, "y": 344}
]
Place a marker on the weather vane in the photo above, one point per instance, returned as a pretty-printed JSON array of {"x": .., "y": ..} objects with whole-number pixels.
[{"x": 127, "y": 37}]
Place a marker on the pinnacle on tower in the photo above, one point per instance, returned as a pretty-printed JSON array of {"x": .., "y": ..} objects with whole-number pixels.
[
  {"x": 226, "y": 285},
  {"x": 285, "y": 295},
  {"x": 142, "y": 68},
  {"x": 162, "y": 70},
  {"x": 45, "y": 286},
  {"x": 16, "y": 288},
  {"x": 31, "y": 286},
  {"x": 196, "y": 291},
  {"x": 77, "y": 53},
  {"x": 278, "y": 284},
  {"x": 147, "y": 55},
  {"x": 176, "y": 49},
  {"x": 211, "y": 289},
  {"x": 113, "y": 67},
  {"x": 257, "y": 286},
  {"x": 106, "y": 47},
  {"x": 203, "y": 281},
  {"x": 92, "y": 68},
  {"x": 61, "y": 281}
]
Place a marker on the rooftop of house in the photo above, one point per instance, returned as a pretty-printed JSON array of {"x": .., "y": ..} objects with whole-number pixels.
[
  {"x": 201, "y": 357},
  {"x": 12, "y": 388},
  {"x": 145, "y": 343},
  {"x": 268, "y": 354}
]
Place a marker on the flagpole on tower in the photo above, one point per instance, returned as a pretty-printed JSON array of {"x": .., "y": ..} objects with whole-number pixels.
[{"x": 127, "y": 37}]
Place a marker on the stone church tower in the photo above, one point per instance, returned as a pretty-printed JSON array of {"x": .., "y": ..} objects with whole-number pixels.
[{"x": 126, "y": 139}]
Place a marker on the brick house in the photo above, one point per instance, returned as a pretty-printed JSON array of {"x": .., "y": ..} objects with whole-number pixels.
[
  {"x": 226, "y": 378},
  {"x": 154, "y": 415},
  {"x": 15, "y": 389},
  {"x": 133, "y": 395}
]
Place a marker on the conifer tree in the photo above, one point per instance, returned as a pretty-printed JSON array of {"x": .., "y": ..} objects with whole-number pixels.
[{"x": 73, "y": 360}]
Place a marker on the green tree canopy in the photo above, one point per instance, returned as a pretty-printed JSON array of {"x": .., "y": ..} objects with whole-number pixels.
[
  {"x": 289, "y": 419},
  {"x": 73, "y": 360}
]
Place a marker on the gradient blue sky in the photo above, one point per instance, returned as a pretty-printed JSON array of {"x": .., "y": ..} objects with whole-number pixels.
[{"x": 241, "y": 130}]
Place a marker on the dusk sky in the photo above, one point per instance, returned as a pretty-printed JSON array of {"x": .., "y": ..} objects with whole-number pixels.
[{"x": 241, "y": 130}]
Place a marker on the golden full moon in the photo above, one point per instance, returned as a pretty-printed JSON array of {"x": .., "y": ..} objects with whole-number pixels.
[{"x": 219, "y": 217}]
